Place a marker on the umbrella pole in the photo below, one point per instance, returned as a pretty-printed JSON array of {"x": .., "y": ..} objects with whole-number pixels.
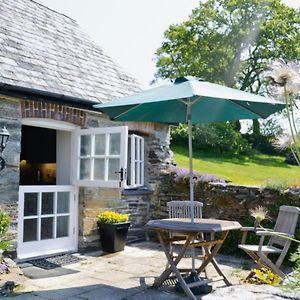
[{"x": 189, "y": 117}]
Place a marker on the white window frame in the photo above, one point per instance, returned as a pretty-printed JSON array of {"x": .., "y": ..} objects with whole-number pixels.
[
  {"x": 123, "y": 130},
  {"x": 136, "y": 178}
]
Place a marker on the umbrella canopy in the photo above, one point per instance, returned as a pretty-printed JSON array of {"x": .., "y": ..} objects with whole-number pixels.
[
  {"x": 209, "y": 102},
  {"x": 190, "y": 100}
]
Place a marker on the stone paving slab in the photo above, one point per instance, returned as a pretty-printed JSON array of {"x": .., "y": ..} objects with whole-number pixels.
[{"x": 125, "y": 275}]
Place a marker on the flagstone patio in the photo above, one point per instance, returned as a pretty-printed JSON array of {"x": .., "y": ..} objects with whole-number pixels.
[{"x": 124, "y": 275}]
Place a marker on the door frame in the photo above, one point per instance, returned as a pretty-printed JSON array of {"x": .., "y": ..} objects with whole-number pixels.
[{"x": 62, "y": 126}]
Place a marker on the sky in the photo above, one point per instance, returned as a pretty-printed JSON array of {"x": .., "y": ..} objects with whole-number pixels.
[{"x": 129, "y": 31}]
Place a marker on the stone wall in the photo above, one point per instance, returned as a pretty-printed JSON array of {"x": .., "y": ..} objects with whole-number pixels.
[
  {"x": 10, "y": 117},
  {"x": 228, "y": 202}
]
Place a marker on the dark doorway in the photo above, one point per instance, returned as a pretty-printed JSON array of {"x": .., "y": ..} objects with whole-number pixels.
[{"x": 38, "y": 156}]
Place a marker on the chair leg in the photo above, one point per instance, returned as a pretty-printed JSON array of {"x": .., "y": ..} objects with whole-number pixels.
[
  {"x": 271, "y": 265},
  {"x": 253, "y": 255}
]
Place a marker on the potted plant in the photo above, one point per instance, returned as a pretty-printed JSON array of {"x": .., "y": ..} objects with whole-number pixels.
[{"x": 113, "y": 228}]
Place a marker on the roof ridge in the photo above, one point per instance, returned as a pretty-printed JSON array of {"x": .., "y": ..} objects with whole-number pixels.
[{"x": 53, "y": 10}]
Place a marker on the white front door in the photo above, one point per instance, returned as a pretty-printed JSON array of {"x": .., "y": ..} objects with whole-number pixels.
[{"x": 47, "y": 220}]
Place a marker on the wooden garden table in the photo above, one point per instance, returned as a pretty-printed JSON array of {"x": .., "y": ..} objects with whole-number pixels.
[{"x": 193, "y": 236}]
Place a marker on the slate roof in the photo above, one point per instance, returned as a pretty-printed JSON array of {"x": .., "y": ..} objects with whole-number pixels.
[{"x": 44, "y": 50}]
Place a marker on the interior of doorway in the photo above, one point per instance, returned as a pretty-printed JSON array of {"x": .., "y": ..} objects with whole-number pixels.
[{"x": 45, "y": 156}]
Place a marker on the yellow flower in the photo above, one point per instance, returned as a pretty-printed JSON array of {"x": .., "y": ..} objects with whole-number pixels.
[
  {"x": 262, "y": 276},
  {"x": 112, "y": 217}
]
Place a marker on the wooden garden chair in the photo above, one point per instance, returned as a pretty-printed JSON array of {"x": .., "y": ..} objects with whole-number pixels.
[
  {"x": 182, "y": 209},
  {"x": 279, "y": 239}
]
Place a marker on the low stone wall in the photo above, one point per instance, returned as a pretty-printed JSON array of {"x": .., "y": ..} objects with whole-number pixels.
[{"x": 228, "y": 202}]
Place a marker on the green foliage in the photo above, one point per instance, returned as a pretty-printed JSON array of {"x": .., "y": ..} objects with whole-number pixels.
[
  {"x": 292, "y": 283},
  {"x": 220, "y": 137},
  {"x": 295, "y": 257},
  {"x": 278, "y": 184},
  {"x": 230, "y": 41},
  {"x": 264, "y": 135},
  {"x": 4, "y": 224},
  {"x": 112, "y": 217}
]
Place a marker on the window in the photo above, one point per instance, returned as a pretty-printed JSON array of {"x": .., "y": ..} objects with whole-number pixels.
[
  {"x": 135, "y": 176},
  {"x": 103, "y": 154}
]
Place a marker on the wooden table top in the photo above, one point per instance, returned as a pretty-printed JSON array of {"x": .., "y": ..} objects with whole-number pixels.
[{"x": 185, "y": 226}]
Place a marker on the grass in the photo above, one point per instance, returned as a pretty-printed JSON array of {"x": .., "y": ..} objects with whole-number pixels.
[{"x": 259, "y": 169}]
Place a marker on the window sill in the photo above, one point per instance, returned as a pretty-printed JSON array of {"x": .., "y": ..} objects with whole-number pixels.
[{"x": 137, "y": 191}]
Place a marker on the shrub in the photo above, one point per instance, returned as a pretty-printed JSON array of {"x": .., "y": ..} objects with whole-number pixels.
[
  {"x": 4, "y": 224},
  {"x": 221, "y": 137},
  {"x": 182, "y": 176},
  {"x": 112, "y": 217},
  {"x": 292, "y": 282}
]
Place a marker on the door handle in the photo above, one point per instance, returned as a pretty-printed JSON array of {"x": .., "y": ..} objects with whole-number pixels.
[{"x": 122, "y": 175}]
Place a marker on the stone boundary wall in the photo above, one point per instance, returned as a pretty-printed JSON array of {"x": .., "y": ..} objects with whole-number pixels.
[{"x": 228, "y": 202}]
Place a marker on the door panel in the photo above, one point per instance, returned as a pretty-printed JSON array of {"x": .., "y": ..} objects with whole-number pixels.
[{"x": 46, "y": 220}]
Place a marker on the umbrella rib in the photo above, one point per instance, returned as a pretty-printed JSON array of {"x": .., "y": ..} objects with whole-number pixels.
[
  {"x": 125, "y": 112},
  {"x": 247, "y": 108}
]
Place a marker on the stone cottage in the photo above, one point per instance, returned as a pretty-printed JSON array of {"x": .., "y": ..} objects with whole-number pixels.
[{"x": 64, "y": 160}]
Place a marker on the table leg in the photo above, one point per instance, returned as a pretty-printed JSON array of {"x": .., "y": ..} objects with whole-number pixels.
[
  {"x": 173, "y": 263},
  {"x": 159, "y": 281},
  {"x": 210, "y": 258},
  {"x": 220, "y": 272}
]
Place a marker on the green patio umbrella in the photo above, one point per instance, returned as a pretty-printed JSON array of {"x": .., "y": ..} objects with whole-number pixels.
[{"x": 192, "y": 101}]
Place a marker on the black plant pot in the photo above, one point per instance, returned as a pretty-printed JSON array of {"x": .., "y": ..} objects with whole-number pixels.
[{"x": 113, "y": 236}]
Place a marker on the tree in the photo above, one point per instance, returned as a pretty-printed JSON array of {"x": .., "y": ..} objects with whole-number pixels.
[
  {"x": 231, "y": 42},
  {"x": 221, "y": 137}
]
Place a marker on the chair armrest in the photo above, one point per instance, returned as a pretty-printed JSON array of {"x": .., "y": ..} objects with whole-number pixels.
[
  {"x": 274, "y": 233},
  {"x": 253, "y": 229},
  {"x": 247, "y": 229}
]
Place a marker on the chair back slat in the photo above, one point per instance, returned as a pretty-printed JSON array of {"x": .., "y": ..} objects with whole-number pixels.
[
  {"x": 286, "y": 223},
  {"x": 182, "y": 209}
]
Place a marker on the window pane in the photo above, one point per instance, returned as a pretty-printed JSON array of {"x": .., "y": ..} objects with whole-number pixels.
[
  {"x": 46, "y": 228},
  {"x": 47, "y": 203},
  {"x": 141, "y": 149},
  {"x": 85, "y": 168},
  {"x": 30, "y": 230},
  {"x": 30, "y": 204},
  {"x": 114, "y": 145},
  {"x": 63, "y": 202},
  {"x": 136, "y": 157},
  {"x": 136, "y": 168},
  {"x": 99, "y": 169},
  {"x": 100, "y": 144},
  {"x": 62, "y": 226},
  {"x": 85, "y": 145},
  {"x": 113, "y": 167}
]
